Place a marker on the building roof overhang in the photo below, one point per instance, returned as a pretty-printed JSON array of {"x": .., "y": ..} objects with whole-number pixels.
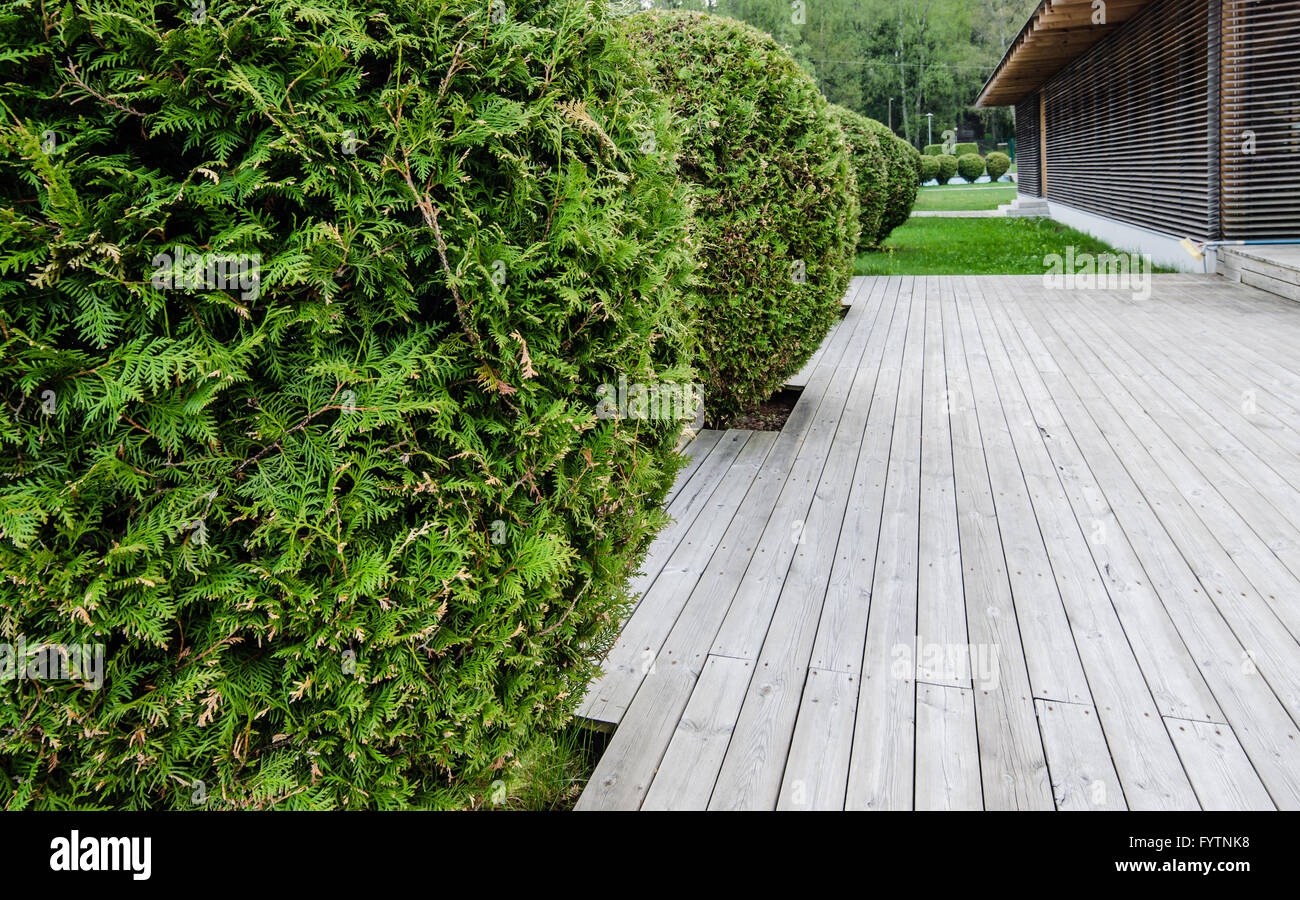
[{"x": 1058, "y": 32}]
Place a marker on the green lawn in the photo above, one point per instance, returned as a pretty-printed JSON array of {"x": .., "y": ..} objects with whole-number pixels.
[
  {"x": 983, "y": 246},
  {"x": 964, "y": 196}
]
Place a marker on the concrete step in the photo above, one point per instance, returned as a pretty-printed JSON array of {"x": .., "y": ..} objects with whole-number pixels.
[
  {"x": 1025, "y": 206},
  {"x": 1270, "y": 267}
]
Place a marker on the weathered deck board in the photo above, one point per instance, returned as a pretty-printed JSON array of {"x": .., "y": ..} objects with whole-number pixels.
[
  {"x": 1143, "y": 754},
  {"x": 1015, "y": 548},
  {"x": 1012, "y": 763}
]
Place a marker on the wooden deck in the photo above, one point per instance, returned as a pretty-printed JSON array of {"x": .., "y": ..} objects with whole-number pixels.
[{"x": 1015, "y": 548}]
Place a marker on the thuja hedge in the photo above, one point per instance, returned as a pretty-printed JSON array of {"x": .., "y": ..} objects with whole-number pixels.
[
  {"x": 331, "y": 492},
  {"x": 903, "y": 163},
  {"x": 947, "y": 168},
  {"x": 774, "y": 200},
  {"x": 970, "y": 166},
  {"x": 870, "y": 170},
  {"x": 998, "y": 164}
]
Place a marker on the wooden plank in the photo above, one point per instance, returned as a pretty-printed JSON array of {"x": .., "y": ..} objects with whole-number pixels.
[
  {"x": 633, "y": 755},
  {"x": 1055, "y": 671},
  {"x": 1144, "y": 756},
  {"x": 1047, "y": 420},
  {"x": 1218, "y": 766},
  {"x": 817, "y": 768},
  {"x": 636, "y": 649},
  {"x": 947, "y": 751},
  {"x": 1012, "y": 763},
  {"x": 1237, "y": 325},
  {"x": 1230, "y": 392},
  {"x": 842, "y": 631},
  {"x": 751, "y": 774},
  {"x": 941, "y": 606},
  {"x": 696, "y": 452},
  {"x": 1238, "y": 494},
  {"x": 880, "y": 771},
  {"x": 685, "y": 777},
  {"x": 691, "y": 500},
  {"x": 1168, "y": 479},
  {"x": 1248, "y": 703},
  {"x": 1042, "y": 142},
  {"x": 1168, "y": 668},
  {"x": 793, "y": 531},
  {"x": 1083, "y": 777}
]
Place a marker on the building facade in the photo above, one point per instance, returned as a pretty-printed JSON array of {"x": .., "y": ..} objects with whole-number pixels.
[{"x": 1150, "y": 121}]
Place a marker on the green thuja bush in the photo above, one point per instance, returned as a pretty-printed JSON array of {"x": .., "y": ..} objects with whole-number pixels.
[
  {"x": 933, "y": 150},
  {"x": 929, "y": 168},
  {"x": 774, "y": 200},
  {"x": 970, "y": 166},
  {"x": 960, "y": 150},
  {"x": 947, "y": 168},
  {"x": 902, "y": 163},
  {"x": 304, "y": 314},
  {"x": 870, "y": 171},
  {"x": 997, "y": 164}
]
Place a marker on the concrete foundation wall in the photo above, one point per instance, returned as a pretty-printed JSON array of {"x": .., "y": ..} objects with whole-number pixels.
[{"x": 1165, "y": 249}]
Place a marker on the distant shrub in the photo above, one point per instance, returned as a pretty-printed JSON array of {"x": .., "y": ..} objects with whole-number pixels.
[
  {"x": 902, "y": 162},
  {"x": 997, "y": 165},
  {"x": 970, "y": 166},
  {"x": 933, "y": 150},
  {"x": 870, "y": 170},
  {"x": 774, "y": 196},
  {"x": 960, "y": 150},
  {"x": 929, "y": 168},
  {"x": 947, "y": 168},
  {"x": 350, "y": 529}
]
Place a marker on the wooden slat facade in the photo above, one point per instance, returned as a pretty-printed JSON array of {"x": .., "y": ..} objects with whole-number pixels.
[
  {"x": 1028, "y": 179},
  {"x": 1183, "y": 116},
  {"x": 1261, "y": 107},
  {"x": 1128, "y": 123}
]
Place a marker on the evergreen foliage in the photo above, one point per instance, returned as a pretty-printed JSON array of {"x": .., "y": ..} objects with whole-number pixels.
[
  {"x": 970, "y": 166},
  {"x": 903, "y": 162},
  {"x": 352, "y": 532},
  {"x": 947, "y": 167},
  {"x": 870, "y": 170},
  {"x": 997, "y": 164},
  {"x": 929, "y": 168},
  {"x": 774, "y": 199}
]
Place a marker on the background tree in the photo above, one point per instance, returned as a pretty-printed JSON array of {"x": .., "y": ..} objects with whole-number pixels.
[{"x": 930, "y": 56}]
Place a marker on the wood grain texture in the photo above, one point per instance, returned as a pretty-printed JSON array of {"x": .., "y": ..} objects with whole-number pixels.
[{"x": 1015, "y": 548}]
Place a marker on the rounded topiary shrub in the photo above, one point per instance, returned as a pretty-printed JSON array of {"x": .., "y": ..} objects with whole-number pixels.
[
  {"x": 870, "y": 170},
  {"x": 304, "y": 320},
  {"x": 997, "y": 164},
  {"x": 970, "y": 166},
  {"x": 903, "y": 162},
  {"x": 947, "y": 168},
  {"x": 929, "y": 168},
  {"x": 774, "y": 198}
]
